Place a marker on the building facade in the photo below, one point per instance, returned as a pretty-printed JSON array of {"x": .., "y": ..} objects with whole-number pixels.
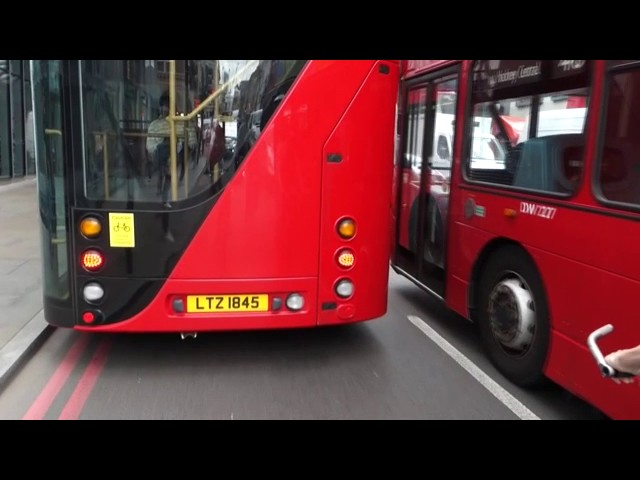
[{"x": 17, "y": 157}]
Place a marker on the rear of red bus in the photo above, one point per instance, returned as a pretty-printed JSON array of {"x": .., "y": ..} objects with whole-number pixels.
[{"x": 287, "y": 227}]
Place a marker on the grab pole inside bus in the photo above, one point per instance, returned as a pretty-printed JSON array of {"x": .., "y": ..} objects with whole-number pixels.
[{"x": 173, "y": 118}]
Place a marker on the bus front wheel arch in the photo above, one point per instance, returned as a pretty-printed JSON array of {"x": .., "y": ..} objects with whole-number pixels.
[{"x": 512, "y": 315}]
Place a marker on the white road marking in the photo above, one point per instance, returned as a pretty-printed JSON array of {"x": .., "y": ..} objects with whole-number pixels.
[{"x": 496, "y": 390}]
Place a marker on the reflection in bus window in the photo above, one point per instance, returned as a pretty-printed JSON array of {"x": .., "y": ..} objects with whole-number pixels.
[
  {"x": 443, "y": 148},
  {"x": 619, "y": 165},
  {"x": 437, "y": 201},
  {"x": 47, "y": 94},
  {"x": 127, "y": 129},
  {"x": 528, "y": 122},
  {"x": 486, "y": 152}
]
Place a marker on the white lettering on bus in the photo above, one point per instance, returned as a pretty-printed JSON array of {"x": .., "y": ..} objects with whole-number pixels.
[
  {"x": 536, "y": 210},
  {"x": 532, "y": 71},
  {"x": 506, "y": 76},
  {"x": 568, "y": 65},
  {"x": 512, "y": 76}
]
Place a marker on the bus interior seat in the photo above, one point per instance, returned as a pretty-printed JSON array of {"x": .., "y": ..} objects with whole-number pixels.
[{"x": 550, "y": 163}]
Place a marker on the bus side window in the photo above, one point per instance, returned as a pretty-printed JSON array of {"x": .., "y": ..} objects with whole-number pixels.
[
  {"x": 613, "y": 168},
  {"x": 616, "y": 176},
  {"x": 619, "y": 166}
]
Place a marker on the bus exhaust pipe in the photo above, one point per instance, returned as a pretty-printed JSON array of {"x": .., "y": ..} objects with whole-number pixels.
[{"x": 184, "y": 335}]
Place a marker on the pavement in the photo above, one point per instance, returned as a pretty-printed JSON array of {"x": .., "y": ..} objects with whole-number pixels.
[{"x": 22, "y": 324}]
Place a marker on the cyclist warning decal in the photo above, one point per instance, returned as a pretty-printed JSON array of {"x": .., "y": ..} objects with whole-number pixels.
[{"x": 121, "y": 230}]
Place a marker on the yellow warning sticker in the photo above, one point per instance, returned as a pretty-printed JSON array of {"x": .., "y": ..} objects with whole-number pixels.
[{"x": 122, "y": 231}]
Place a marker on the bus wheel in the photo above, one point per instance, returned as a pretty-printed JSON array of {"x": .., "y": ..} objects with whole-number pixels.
[{"x": 513, "y": 316}]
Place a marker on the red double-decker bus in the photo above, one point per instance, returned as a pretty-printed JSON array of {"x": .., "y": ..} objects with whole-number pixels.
[
  {"x": 201, "y": 195},
  {"x": 516, "y": 201}
]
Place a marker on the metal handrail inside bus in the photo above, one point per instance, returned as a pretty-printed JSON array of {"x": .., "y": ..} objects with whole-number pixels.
[{"x": 173, "y": 118}]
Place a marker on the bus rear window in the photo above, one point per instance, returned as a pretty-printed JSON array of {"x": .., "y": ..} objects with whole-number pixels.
[{"x": 220, "y": 109}]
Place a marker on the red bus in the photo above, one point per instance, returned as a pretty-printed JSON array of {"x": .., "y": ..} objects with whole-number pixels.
[
  {"x": 151, "y": 224},
  {"x": 531, "y": 233}
]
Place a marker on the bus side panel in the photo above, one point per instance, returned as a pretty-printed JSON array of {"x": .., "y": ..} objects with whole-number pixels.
[
  {"x": 616, "y": 401},
  {"x": 465, "y": 244},
  {"x": 578, "y": 262},
  {"x": 582, "y": 298},
  {"x": 457, "y": 294},
  {"x": 359, "y": 186},
  {"x": 574, "y": 271},
  {"x": 265, "y": 224}
]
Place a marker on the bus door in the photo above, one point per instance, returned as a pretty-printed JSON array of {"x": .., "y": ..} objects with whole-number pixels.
[{"x": 426, "y": 158}]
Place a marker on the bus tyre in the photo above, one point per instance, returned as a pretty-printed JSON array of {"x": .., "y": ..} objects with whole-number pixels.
[{"x": 513, "y": 316}]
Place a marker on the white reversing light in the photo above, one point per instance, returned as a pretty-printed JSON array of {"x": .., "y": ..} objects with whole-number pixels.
[
  {"x": 295, "y": 301},
  {"x": 344, "y": 288},
  {"x": 93, "y": 292}
]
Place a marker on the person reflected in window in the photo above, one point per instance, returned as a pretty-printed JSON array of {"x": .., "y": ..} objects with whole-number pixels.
[{"x": 158, "y": 146}]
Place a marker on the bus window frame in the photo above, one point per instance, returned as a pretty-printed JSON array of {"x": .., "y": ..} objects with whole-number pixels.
[
  {"x": 467, "y": 130},
  {"x": 612, "y": 69},
  {"x": 79, "y": 163},
  {"x": 446, "y": 72}
]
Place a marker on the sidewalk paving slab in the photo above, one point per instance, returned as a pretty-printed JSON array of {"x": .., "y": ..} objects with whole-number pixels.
[{"x": 22, "y": 324}]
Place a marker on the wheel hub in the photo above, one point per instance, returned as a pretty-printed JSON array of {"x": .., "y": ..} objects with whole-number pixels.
[{"x": 512, "y": 315}]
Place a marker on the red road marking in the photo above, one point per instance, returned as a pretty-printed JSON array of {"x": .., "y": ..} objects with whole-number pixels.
[
  {"x": 72, "y": 409},
  {"x": 41, "y": 405}
]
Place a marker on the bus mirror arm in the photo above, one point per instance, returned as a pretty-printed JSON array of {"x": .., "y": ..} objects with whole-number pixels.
[{"x": 605, "y": 369}]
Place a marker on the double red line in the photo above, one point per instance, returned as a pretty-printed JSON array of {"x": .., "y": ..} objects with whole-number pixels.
[{"x": 73, "y": 407}]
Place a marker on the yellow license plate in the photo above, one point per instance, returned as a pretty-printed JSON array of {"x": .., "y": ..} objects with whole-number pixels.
[{"x": 227, "y": 303}]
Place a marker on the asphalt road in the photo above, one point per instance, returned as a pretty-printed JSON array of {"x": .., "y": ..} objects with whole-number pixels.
[{"x": 420, "y": 361}]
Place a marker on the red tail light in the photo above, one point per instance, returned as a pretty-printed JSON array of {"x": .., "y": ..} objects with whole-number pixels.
[
  {"x": 92, "y": 260},
  {"x": 346, "y": 258}
]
